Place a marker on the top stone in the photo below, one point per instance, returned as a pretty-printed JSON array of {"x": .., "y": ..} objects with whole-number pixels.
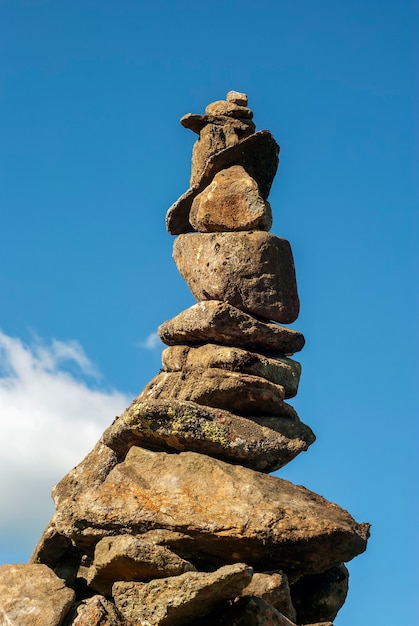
[{"x": 237, "y": 98}]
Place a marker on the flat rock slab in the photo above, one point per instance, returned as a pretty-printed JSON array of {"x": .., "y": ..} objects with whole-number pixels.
[
  {"x": 265, "y": 444},
  {"x": 258, "y": 154},
  {"x": 94, "y": 611},
  {"x": 127, "y": 558},
  {"x": 233, "y": 513},
  {"x": 231, "y": 202},
  {"x": 214, "y": 387},
  {"x": 253, "y": 271},
  {"x": 178, "y": 600},
  {"x": 219, "y": 322},
  {"x": 32, "y": 595},
  {"x": 280, "y": 370}
]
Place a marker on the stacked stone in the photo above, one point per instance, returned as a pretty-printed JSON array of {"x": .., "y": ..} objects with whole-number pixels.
[{"x": 173, "y": 517}]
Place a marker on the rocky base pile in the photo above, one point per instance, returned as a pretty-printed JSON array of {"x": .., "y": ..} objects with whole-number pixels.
[{"x": 173, "y": 517}]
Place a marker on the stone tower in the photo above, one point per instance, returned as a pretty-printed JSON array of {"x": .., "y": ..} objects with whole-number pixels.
[{"x": 173, "y": 517}]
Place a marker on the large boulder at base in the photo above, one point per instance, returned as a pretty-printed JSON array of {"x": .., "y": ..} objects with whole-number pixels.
[
  {"x": 32, "y": 595},
  {"x": 258, "y": 154},
  {"x": 212, "y": 321},
  {"x": 132, "y": 559},
  {"x": 231, "y": 202},
  {"x": 264, "y": 444},
  {"x": 233, "y": 513},
  {"x": 280, "y": 370},
  {"x": 94, "y": 611},
  {"x": 254, "y": 271},
  {"x": 180, "y": 599}
]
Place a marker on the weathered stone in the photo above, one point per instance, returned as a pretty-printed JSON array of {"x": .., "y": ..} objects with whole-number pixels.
[
  {"x": 253, "y": 271},
  {"x": 242, "y": 127},
  {"x": 239, "y": 393},
  {"x": 237, "y": 97},
  {"x": 180, "y": 426},
  {"x": 232, "y": 202},
  {"x": 229, "y": 108},
  {"x": 179, "y": 600},
  {"x": 94, "y": 611},
  {"x": 219, "y": 322},
  {"x": 274, "y": 589},
  {"x": 132, "y": 559},
  {"x": 318, "y": 597},
  {"x": 279, "y": 370},
  {"x": 233, "y": 513},
  {"x": 245, "y": 611},
  {"x": 258, "y": 154},
  {"x": 32, "y": 595}
]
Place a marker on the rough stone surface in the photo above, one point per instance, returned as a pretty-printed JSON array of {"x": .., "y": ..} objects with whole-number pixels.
[
  {"x": 280, "y": 370},
  {"x": 94, "y": 611},
  {"x": 178, "y": 600},
  {"x": 229, "y": 108},
  {"x": 132, "y": 559},
  {"x": 233, "y": 513},
  {"x": 275, "y": 590},
  {"x": 258, "y": 154},
  {"x": 219, "y": 322},
  {"x": 239, "y": 393},
  {"x": 253, "y": 271},
  {"x": 32, "y": 595},
  {"x": 264, "y": 445},
  {"x": 318, "y": 597},
  {"x": 232, "y": 202},
  {"x": 237, "y": 97},
  {"x": 245, "y": 611}
]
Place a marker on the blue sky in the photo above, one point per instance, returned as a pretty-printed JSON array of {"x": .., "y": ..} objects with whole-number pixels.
[{"x": 92, "y": 155}]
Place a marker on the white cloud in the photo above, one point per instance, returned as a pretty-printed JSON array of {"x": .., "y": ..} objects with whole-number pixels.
[
  {"x": 50, "y": 418},
  {"x": 151, "y": 343}
]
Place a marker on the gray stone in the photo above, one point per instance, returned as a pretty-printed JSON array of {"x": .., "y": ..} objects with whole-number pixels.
[
  {"x": 178, "y": 600},
  {"x": 232, "y": 202},
  {"x": 232, "y": 513},
  {"x": 253, "y": 271},
  {"x": 240, "y": 393},
  {"x": 264, "y": 444},
  {"x": 132, "y": 559},
  {"x": 280, "y": 371},
  {"x": 219, "y": 322},
  {"x": 257, "y": 153},
  {"x": 32, "y": 595}
]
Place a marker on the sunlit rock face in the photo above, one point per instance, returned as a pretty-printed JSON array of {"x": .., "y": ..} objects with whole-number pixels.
[{"x": 173, "y": 518}]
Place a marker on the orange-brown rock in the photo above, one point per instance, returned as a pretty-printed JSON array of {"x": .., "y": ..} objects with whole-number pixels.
[
  {"x": 218, "y": 322},
  {"x": 233, "y": 514},
  {"x": 264, "y": 444},
  {"x": 257, "y": 153},
  {"x": 274, "y": 589},
  {"x": 253, "y": 271},
  {"x": 94, "y": 611},
  {"x": 280, "y": 370},
  {"x": 231, "y": 202}
]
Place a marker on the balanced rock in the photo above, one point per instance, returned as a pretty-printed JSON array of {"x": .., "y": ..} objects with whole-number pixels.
[
  {"x": 32, "y": 595},
  {"x": 237, "y": 97},
  {"x": 256, "y": 153},
  {"x": 280, "y": 370},
  {"x": 264, "y": 443},
  {"x": 233, "y": 513},
  {"x": 231, "y": 202},
  {"x": 132, "y": 559},
  {"x": 253, "y": 271},
  {"x": 219, "y": 322},
  {"x": 178, "y": 600}
]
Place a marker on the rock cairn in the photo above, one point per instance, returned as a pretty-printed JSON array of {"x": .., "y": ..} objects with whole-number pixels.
[{"x": 173, "y": 517}]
